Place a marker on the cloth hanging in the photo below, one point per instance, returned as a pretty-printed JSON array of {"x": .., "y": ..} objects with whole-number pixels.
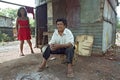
[{"x": 30, "y": 10}]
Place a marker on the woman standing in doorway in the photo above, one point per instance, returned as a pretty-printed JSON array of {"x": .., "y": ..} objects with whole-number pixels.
[{"x": 23, "y": 29}]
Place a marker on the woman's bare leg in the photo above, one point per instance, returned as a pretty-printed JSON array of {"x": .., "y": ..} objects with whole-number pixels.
[
  {"x": 30, "y": 45},
  {"x": 21, "y": 47}
]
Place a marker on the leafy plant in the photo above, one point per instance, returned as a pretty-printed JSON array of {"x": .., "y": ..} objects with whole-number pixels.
[
  {"x": 9, "y": 12},
  {"x": 5, "y": 38}
]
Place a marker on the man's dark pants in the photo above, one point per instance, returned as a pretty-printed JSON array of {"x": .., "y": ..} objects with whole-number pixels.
[{"x": 69, "y": 52}]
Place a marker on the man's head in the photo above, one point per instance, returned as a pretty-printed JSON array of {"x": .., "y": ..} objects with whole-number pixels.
[{"x": 61, "y": 24}]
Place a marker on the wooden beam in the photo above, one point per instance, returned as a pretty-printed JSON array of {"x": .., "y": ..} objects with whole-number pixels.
[{"x": 12, "y": 3}]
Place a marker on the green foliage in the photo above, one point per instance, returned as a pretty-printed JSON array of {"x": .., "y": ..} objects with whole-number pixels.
[
  {"x": 32, "y": 23},
  {"x": 9, "y": 12},
  {"x": 118, "y": 24},
  {"x": 33, "y": 31},
  {"x": 32, "y": 26},
  {"x": 5, "y": 38}
]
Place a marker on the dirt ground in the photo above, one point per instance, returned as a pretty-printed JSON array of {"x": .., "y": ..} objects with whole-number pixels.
[{"x": 95, "y": 67}]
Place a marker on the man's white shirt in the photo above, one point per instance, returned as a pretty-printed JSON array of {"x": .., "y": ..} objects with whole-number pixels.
[{"x": 67, "y": 37}]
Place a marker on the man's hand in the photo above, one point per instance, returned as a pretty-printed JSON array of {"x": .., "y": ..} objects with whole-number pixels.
[{"x": 54, "y": 47}]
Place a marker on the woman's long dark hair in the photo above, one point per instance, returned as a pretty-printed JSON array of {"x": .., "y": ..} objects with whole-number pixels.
[{"x": 19, "y": 14}]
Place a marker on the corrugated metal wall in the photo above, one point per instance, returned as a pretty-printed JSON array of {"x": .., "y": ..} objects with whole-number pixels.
[
  {"x": 86, "y": 17},
  {"x": 69, "y": 9},
  {"x": 95, "y": 29},
  {"x": 73, "y": 13},
  {"x": 58, "y": 10},
  {"x": 90, "y": 21},
  {"x": 89, "y": 11},
  {"x": 109, "y": 24}
]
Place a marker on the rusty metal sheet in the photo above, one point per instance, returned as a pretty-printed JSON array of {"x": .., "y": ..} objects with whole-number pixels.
[
  {"x": 73, "y": 13},
  {"x": 69, "y": 9}
]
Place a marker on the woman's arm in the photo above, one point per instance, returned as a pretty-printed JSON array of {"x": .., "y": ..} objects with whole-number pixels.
[{"x": 17, "y": 24}]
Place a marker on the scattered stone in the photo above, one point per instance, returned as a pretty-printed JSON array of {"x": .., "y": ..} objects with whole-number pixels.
[{"x": 36, "y": 76}]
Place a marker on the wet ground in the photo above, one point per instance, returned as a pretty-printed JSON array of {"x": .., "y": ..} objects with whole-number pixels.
[{"x": 95, "y": 67}]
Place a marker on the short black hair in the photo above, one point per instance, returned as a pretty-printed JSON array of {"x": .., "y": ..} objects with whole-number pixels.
[
  {"x": 19, "y": 14},
  {"x": 63, "y": 20}
]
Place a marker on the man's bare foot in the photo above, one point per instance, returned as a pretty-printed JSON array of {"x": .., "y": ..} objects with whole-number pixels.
[
  {"x": 70, "y": 71},
  {"x": 40, "y": 69},
  {"x": 42, "y": 66}
]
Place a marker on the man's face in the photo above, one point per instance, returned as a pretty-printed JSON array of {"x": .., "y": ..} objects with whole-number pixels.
[{"x": 60, "y": 26}]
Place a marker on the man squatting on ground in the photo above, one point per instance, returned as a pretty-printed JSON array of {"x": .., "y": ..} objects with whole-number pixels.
[{"x": 62, "y": 41}]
